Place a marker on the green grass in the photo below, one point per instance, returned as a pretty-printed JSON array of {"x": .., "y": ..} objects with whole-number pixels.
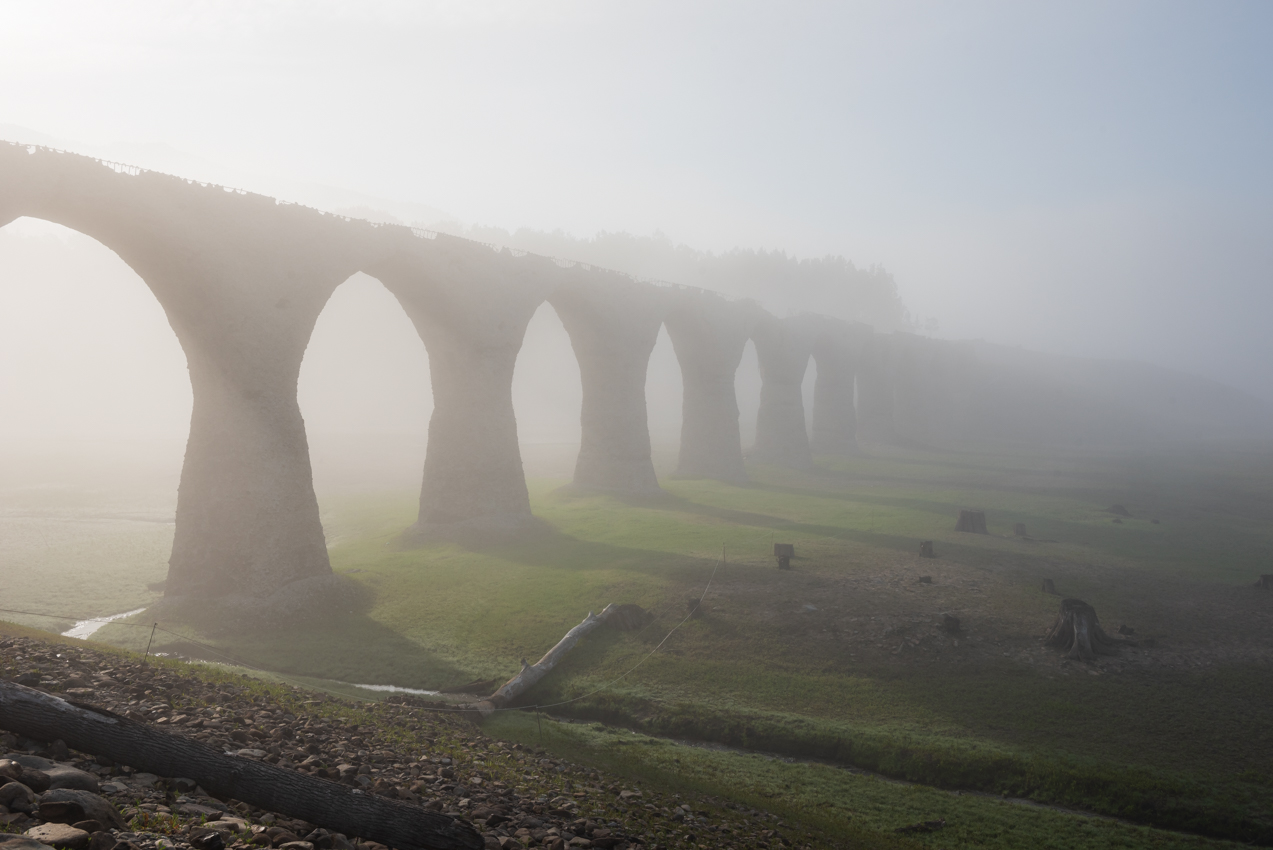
[
  {"x": 860, "y": 809},
  {"x": 1177, "y": 738}
]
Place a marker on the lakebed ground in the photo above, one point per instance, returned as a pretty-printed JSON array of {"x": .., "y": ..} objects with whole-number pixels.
[{"x": 843, "y": 662}]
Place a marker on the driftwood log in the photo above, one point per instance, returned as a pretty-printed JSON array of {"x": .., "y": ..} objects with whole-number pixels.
[
  {"x": 530, "y": 674},
  {"x": 1079, "y": 633},
  {"x": 972, "y": 521},
  {"x": 35, "y": 714}
]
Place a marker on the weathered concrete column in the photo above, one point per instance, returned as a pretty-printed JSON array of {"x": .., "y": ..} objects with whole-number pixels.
[
  {"x": 709, "y": 334},
  {"x": 875, "y": 391},
  {"x": 242, "y": 281},
  {"x": 837, "y": 350},
  {"x": 470, "y": 305},
  {"x": 613, "y": 322},
  {"x": 783, "y": 348}
]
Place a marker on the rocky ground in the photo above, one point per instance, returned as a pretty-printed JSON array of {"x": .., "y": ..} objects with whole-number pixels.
[{"x": 515, "y": 796}]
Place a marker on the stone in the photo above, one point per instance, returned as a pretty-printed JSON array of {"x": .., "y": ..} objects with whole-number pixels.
[
  {"x": 207, "y": 839},
  {"x": 17, "y": 797},
  {"x": 60, "y": 836},
  {"x": 102, "y": 840},
  {"x": 59, "y": 775},
  {"x": 66, "y": 805},
  {"x": 21, "y": 842},
  {"x": 228, "y": 824}
]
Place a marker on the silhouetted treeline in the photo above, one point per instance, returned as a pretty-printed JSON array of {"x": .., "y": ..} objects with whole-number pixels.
[{"x": 782, "y": 283}]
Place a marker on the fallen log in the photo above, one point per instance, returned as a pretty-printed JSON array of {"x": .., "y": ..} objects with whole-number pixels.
[
  {"x": 530, "y": 674},
  {"x": 35, "y": 714}
]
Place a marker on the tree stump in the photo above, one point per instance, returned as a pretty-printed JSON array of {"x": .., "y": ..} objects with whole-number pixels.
[
  {"x": 1265, "y": 582},
  {"x": 695, "y": 607},
  {"x": 1079, "y": 633},
  {"x": 1019, "y": 529},
  {"x": 973, "y": 522},
  {"x": 926, "y": 549},
  {"x": 1049, "y": 587}
]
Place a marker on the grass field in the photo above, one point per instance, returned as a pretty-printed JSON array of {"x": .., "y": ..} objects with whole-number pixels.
[{"x": 842, "y": 658}]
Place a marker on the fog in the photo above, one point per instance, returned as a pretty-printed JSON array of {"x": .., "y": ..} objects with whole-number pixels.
[{"x": 1086, "y": 180}]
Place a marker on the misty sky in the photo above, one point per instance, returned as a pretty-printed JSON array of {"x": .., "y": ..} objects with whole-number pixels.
[{"x": 1080, "y": 177}]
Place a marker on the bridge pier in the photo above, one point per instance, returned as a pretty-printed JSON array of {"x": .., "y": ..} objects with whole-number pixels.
[
  {"x": 242, "y": 280},
  {"x": 471, "y": 305},
  {"x": 613, "y": 323},
  {"x": 709, "y": 334},
  {"x": 836, "y": 352},
  {"x": 783, "y": 348},
  {"x": 247, "y": 518}
]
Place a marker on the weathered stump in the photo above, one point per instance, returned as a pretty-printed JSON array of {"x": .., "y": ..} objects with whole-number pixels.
[
  {"x": 1079, "y": 633},
  {"x": 784, "y": 552},
  {"x": 973, "y": 522},
  {"x": 695, "y": 607},
  {"x": 1049, "y": 587},
  {"x": 926, "y": 549}
]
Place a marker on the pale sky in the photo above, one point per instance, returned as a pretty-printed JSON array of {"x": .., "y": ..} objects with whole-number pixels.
[{"x": 1080, "y": 177}]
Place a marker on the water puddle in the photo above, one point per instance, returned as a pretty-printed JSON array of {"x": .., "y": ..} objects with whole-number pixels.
[
  {"x": 84, "y": 628},
  {"x": 391, "y": 689}
]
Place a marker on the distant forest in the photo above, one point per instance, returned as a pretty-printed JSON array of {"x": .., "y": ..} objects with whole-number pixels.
[{"x": 784, "y": 284}]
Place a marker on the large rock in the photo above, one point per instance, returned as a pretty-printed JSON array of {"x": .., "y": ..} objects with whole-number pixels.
[
  {"x": 60, "y": 836},
  {"x": 66, "y": 805},
  {"x": 20, "y": 842},
  {"x": 60, "y": 775},
  {"x": 17, "y": 797}
]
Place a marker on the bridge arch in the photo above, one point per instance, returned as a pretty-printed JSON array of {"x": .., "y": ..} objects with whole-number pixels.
[{"x": 242, "y": 280}]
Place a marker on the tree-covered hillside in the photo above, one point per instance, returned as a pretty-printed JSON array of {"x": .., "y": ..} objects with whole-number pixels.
[{"x": 782, "y": 283}]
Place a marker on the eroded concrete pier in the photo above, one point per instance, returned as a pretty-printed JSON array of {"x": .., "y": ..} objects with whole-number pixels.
[
  {"x": 709, "y": 333},
  {"x": 613, "y": 322},
  {"x": 471, "y": 305},
  {"x": 783, "y": 348}
]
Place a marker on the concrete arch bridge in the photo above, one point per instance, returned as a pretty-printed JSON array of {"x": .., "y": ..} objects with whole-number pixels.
[{"x": 243, "y": 279}]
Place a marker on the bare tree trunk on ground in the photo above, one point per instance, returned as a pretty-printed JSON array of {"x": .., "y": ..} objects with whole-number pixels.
[
  {"x": 623, "y": 616},
  {"x": 38, "y": 715},
  {"x": 1079, "y": 633}
]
